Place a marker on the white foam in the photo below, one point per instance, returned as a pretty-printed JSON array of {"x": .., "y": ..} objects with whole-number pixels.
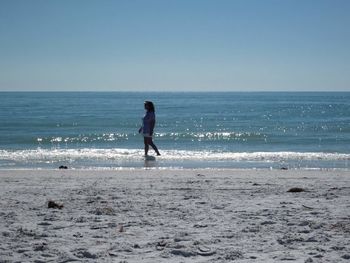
[{"x": 132, "y": 154}]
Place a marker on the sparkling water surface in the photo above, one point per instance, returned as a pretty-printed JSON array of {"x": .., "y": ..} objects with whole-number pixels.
[{"x": 193, "y": 130}]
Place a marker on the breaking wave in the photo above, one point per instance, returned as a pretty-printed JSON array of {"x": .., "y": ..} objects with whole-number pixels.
[{"x": 133, "y": 157}]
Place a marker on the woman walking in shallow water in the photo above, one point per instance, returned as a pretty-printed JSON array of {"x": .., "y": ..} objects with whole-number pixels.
[{"x": 148, "y": 123}]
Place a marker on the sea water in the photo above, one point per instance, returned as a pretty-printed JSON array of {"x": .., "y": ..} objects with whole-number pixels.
[{"x": 99, "y": 130}]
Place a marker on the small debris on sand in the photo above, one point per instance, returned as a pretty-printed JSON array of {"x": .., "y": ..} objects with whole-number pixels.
[
  {"x": 54, "y": 205},
  {"x": 121, "y": 229},
  {"x": 296, "y": 190}
]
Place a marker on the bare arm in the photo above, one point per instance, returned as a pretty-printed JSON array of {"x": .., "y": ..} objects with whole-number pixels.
[{"x": 152, "y": 124}]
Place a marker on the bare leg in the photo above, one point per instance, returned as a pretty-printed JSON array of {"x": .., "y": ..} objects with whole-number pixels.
[
  {"x": 148, "y": 141},
  {"x": 154, "y": 148},
  {"x": 146, "y": 145}
]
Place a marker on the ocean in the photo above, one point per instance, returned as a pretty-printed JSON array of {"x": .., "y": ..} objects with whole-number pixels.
[{"x": 99, "y": 130}]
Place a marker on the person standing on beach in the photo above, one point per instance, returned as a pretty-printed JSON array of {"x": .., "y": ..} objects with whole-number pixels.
[{"x": 148, "y": 123}]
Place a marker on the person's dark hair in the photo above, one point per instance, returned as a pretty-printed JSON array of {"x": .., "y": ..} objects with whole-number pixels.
[{"x": 150, "y": 106}]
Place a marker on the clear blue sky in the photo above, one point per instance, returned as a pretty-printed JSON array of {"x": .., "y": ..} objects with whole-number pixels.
[{"x": 175, "y": 45}]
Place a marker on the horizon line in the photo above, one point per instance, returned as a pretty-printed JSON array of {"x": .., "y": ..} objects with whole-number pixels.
[{"x": 179, "y": 91}]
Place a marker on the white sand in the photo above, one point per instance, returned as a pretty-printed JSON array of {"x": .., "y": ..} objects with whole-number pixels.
[{"x": 174, "y": 216}]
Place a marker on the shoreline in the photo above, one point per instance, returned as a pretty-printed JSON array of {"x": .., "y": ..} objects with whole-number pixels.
[
  {"x": 112, "y": 158},
  {"x": 175, "y": 215}
]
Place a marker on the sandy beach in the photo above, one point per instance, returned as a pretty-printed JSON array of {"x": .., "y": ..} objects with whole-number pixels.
[{"x": 174, "y": 215}]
